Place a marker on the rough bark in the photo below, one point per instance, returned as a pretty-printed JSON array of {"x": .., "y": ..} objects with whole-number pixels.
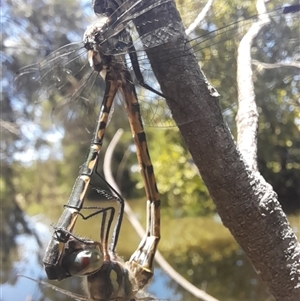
[{"x": 247, "y": 204}]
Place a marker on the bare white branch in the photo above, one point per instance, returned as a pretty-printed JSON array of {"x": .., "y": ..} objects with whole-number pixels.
[
  {"x": 9, "y": 126},
  {"x": 199, "y": 18},
  {"x": 262, "y": 65},
  {"x": 247, "y": 116},
  {"x": 163, "y": 263}
]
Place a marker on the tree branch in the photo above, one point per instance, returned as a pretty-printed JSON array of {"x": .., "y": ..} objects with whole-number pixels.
[
  {"x": 247, "y": 115},
  {"x": 262, "y": 65},
  {"x": 9, "y": 126},
  {"x": 247, "y": 205},
  {"x": 199, "y": 18}
]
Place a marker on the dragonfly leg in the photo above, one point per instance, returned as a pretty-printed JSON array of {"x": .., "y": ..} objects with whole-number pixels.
[
  {"x": 104, "y": 237},
  {"x": 116, "y": 196},
  {"x": 105, "y": 228}
]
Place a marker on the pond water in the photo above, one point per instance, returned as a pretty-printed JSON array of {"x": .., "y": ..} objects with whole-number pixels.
[
  {"x": 223, "y": 271},
  {"x": 29, "y": 263}
]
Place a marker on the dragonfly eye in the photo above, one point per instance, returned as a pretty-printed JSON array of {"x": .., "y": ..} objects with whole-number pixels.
[
  {"x": 83, "y": 262},
  {"x": 89, "y": 46},
  {"x": 97, "y": 36},
  {"x": 61, "y": 235}
]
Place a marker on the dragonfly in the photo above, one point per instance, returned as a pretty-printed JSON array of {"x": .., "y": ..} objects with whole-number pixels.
[
  {"x": 107, "y": 275},
  {"x": 66, "y": 257},
  {"x": 75, "y": 88},
  {"x": 112, "y": 53}
]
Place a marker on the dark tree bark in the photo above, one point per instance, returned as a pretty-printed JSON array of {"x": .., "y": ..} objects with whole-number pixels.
[{"x": 247, "y": 204}]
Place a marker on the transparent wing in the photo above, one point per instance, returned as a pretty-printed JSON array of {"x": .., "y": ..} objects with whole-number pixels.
[
  {"x": 75, "y": 90},
  {"x": 65, "y": 79},
  {"x": 215, "y": 42},
  {"x": 43, "y": 290}
]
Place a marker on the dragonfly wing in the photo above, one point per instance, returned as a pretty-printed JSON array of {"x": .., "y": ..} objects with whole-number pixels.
[
  {"x": 65, "y": 79},
  {"x": 215, "y": 44},
  {"x": 74, "y": 90}
]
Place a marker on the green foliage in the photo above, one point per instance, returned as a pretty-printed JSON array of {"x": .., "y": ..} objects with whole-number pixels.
[
  {"x": 184, "y": 234},
  {"x": 277, "y": 89},
  {"x": 203, "y": 251},
  {"x": 277, "y": 96},
  {"x": 41, "y": 178},
  {"x": 182, "y": 190},
  {"x": 40, "y": 182}
]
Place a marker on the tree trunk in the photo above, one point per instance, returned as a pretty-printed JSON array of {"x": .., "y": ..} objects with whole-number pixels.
[{"x": 247, "y": 205}]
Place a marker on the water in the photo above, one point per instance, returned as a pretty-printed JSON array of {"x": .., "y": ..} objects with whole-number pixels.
[
  {"x": 229, "y": 277},
  {"x": 29, "y": 263}
]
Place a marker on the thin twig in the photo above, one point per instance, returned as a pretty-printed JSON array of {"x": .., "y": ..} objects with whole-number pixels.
[
  {"x": 247, "y": 115},
  {"x": 201, "y": 295},
  {"x": 263, "y": 65},
  {"x": 199, "y": 18}
]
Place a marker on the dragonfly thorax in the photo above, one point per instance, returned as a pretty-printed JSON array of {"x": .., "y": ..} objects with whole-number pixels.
[{"x": 111, "y": 282}]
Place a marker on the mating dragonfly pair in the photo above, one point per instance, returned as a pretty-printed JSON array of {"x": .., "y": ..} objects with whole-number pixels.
[{"x": 112, "y": 52}]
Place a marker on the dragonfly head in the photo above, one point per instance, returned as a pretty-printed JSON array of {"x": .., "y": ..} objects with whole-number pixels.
[
  {"x": 82, "y": 259},
  {"x": 94, "y": 35},
  {"x": 93, "y": 40}
]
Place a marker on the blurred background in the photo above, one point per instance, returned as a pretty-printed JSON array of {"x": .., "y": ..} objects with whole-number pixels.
[{"x": 41, "y": 156}]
